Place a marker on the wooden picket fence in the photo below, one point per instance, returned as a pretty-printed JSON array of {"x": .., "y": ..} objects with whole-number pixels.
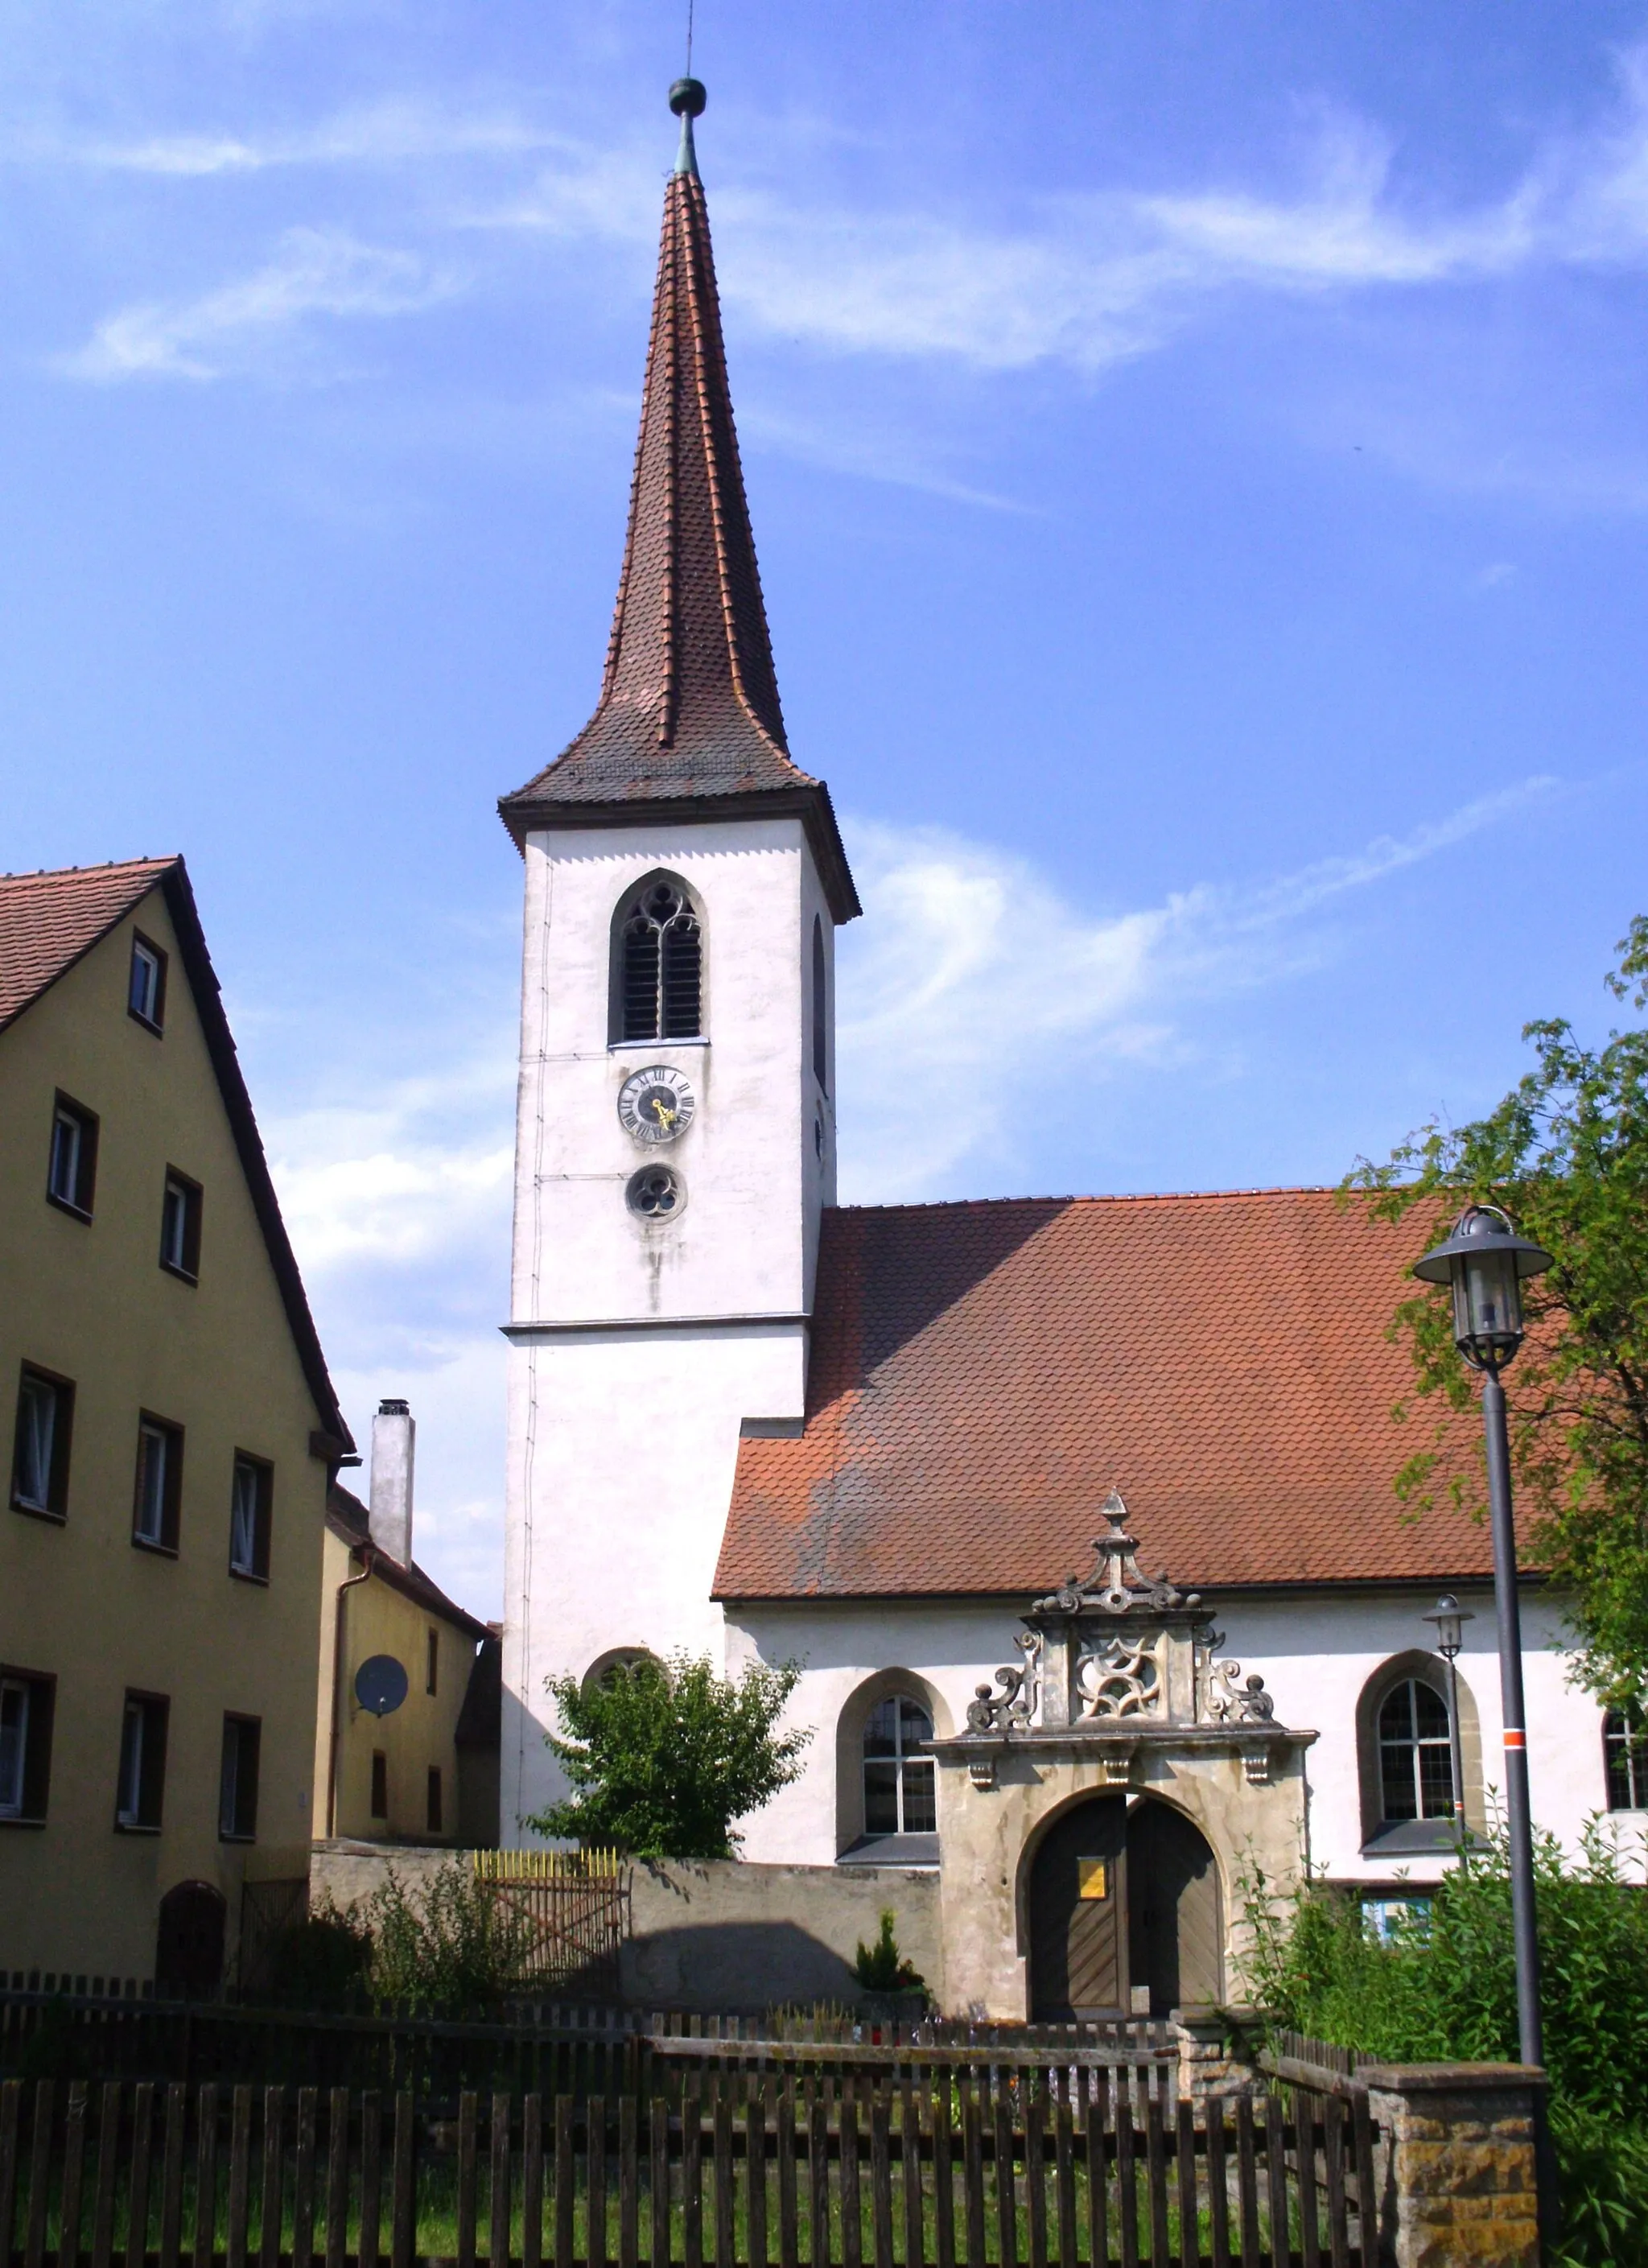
[{"x": 1055, "y": 2170}]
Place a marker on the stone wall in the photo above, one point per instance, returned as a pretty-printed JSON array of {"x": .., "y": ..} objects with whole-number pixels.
[
  {"x": 718, "y": 1937},
  {"x": 1460, "y": 2169}
]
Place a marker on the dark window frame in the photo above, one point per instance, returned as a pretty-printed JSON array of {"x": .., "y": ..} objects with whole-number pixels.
[
  {"x": 80, "y": 1206},
  {"x": 156, "y": 1022},
  {"x": 434, "y": 1802},
  {"x": 380, "y": 1796},
  {"x": 904, "y": 1764},
  {"x": 37, "y": 1743},
  {"x": 186, "y": 1271},
  {"x": 263, "y": 1517},
  {"x": 242, "y": 1827},
  {"x": 820, "y": 1008},
  {"x": 56, "y": 1506},
  {"x": 1625, "y": 1760},
  {"x": 171, "y": 1508},
  {"x": 154, "y": 1711},
  {"x": 432, "y": 1658}
]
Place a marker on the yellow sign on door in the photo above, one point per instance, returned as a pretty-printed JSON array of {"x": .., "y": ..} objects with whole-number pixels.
[{"x": 1092, "y": 1878}]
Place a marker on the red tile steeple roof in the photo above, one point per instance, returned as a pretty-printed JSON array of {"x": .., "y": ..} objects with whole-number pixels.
[{"x": 688, "y": 716}]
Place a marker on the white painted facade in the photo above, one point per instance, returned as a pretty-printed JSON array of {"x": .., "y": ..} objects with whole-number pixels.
[{"x": 638, "y": 1347}]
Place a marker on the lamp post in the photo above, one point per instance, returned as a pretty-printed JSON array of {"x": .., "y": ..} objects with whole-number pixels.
[
  {"x": 1450, "y": 1619},
  {"x": 1484, "y": 1261}
]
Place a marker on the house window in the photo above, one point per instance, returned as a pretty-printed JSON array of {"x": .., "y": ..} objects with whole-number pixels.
[
  {"x": 39, "y": 1451},
  {"x": 379, "y": 1785},
  {"x": 238, "y": 1779},
  {"x": 159, "y": 1492},
  {"x": 146, "y": 993},
  {"x": 899, "y": 1795},
  {"x": 1416, "y": 1760},
  {"x": 181, "y": 1226},
  {"x": 660, "y": 965},
  {"x": 821, "y": 1029},
  {"x": 141, "y": 1788},
  {"x": 431, "y": 1660},
  {"x": 250, "y": 1499},
  {"x": 71, "y": 1165},
  {"x": 1625, "y": 1755},
  {"x": 434, "y": 1814},
  {"x": 26, "y": 1730}
]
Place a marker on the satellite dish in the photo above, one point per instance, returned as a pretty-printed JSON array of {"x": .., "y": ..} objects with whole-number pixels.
[{"x": 380, "y": 1684}]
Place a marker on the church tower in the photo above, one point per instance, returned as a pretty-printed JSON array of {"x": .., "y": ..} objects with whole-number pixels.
[{"x": 675, "y": 1137}]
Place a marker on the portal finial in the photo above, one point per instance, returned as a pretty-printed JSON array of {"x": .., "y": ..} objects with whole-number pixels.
[{"x": 686, "y": 99}]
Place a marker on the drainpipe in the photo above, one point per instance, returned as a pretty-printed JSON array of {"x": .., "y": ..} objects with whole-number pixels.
[{"x": 339, "y": 1628}]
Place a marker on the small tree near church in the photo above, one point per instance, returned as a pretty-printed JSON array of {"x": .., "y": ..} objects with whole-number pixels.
[{"x": 663, "y": 1757}]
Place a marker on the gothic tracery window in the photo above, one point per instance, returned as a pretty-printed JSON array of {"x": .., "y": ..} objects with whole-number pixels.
[
  {"x": 660, "y": 973},
  {"x": 899, "y": 1795}
]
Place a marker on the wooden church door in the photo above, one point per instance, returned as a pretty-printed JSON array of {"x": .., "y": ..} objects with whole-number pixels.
[
  {"x": 1175, "y": 1938},
  {"x": 1078, "y": 1934}
]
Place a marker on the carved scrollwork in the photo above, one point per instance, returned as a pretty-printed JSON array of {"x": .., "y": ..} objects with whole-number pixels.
[
  {"x": 1228, "y": 1705},
  {"x": 1117, "y": 1584},
  {"x": 1118, "y": 1677},
  {"x": 1013, "y": 1706}
]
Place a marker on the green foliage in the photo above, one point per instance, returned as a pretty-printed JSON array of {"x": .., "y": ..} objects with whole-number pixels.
[
  {"x": 454, "y": 1945},
  {"x": 663, "y": 1758},
  {"x": 882, "y": 1968},
  {"x": 1603, "y": 2175},
  {"x": 1444, "y": 1985},
  {"x": 1566, "y": 1155},
  {"x": 322, "y": 1962}
]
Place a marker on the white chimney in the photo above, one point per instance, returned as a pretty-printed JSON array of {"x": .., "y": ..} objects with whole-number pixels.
[{"x": 393, "y": 1438}]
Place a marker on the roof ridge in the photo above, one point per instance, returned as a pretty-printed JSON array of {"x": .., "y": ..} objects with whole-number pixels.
[
  {"x": 1102, "y": 1197},
  {"x": 104, "y": 866}
]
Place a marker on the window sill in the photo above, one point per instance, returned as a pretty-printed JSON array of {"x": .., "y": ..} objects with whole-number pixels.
[
  {"x": 248, "y": 1575},
  {"x": 157, "y": 1031},
  {"x": 156, "y": 1549},
  {"x": 134, "y": 1827},
  {"x": 183, "y": 1275},
  {"x": 64, "y": 1204},
  {"x": 39, "y": 1512},
  {"x": 16, "y": 1819},
  {"x": 1416, "y": 1836},
  {"x": 891, "y": 1851},
  {"x": 243, "y": 1840},
  {"x": 650, "y": 1047}
]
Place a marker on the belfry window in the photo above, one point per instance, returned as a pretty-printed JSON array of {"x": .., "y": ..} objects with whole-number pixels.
[
  {"x": 899, "y": 1795},
  {"x": 821, "y": 1019},
  {"x": 660, "y": 970},
  {"x": 1416, "y": 1764}
]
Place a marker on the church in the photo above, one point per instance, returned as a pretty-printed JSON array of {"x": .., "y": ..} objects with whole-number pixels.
[{"x": 1078, "y": 1512}]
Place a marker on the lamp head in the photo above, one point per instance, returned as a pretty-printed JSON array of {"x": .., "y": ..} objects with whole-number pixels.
[
  {"x": 1484, "y": 1261},
  {"x": 1450, "y": 1618}
]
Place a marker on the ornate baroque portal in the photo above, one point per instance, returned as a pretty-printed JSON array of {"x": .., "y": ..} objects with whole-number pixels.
[{"x": 1121, "y": 1687}]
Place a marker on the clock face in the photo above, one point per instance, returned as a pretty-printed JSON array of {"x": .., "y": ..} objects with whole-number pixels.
[{"x": 656, "y": 1105}]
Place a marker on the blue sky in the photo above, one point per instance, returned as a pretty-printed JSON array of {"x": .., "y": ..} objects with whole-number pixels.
[{"x": 1199, "y": 457}]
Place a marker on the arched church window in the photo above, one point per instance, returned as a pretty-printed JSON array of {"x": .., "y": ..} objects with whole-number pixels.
[
  {"x": 1625, "y": 1755},
  {"x": 660, "y": 965},
  {"x": 821, "y": 1034},
  {"x": 1415, "y": 1759},
  {"x": 900, "y": 1797}
]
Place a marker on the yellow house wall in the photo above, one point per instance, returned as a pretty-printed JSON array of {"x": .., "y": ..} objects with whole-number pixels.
[
  {"x": 79, "y": 1600},
  {"x": 377, "y": 1619}
]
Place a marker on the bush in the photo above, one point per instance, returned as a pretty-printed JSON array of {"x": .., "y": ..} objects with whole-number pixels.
[
  {"x": 322, "y": 1962},
  {"x": 882, "y": 1968},
  {"x": 457, "y": 1946}
]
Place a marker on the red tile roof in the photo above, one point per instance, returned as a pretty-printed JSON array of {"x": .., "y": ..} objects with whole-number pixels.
[
  {"x": 983, "y": 1374},
  {"x": 688, "y": 707},
  {"x": 48, "y": 920}
]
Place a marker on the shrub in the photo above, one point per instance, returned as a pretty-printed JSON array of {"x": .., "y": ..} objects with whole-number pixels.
[
  {"x": 455, "y": 1946},
  {"x": 322, "y": 1962},
  {"x": 882, "y": 1968}
]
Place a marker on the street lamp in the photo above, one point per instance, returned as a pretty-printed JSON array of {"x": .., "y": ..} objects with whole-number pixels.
[
  {"x": 1450, "y": 1619},
  {"x": 1484, "y": 1261}
]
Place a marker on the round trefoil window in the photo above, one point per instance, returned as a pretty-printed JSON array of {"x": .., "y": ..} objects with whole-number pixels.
[{"x": 656, "y": 1193}]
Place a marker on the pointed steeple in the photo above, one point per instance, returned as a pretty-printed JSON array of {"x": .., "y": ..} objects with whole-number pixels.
[{"x": 688, "y": 714}]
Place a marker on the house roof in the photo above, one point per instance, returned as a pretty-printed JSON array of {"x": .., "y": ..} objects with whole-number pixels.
[
  {"x": 49, "y": 921},
  {"x": 983, "y": 1374},
  {"x": 348, "y": 1517},
  {"x": 689, "y": 723}
]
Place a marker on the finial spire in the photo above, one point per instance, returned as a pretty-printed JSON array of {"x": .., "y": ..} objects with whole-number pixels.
[{"x": 686, "y": 99}]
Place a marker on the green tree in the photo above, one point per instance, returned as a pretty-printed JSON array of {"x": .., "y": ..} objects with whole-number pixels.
[
  {"x": 1566, "y": 1155},
  {"x": 663, "y": 1757}
]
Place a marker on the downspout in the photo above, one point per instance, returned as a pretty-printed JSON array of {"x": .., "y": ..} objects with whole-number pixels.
[{"x": 339, "y": 1627}]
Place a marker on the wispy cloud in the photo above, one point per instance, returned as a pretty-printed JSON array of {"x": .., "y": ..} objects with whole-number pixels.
[
  {"x": 1012, "y": 978},
  {"x": 384, "y": 134},
  {"x": 256, "y": 323}
]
